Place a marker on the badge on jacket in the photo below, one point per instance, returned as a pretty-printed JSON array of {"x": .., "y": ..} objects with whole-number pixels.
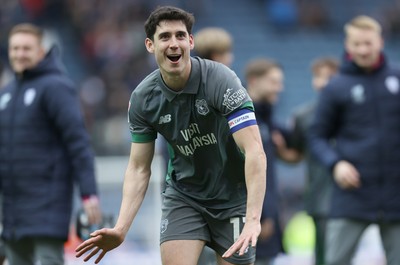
[
  {"x": 392, "y": 84},
  {"x": 29, "y": 96}
]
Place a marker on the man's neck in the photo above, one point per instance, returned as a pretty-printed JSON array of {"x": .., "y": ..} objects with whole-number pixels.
[{"x": 177, "y": 82}]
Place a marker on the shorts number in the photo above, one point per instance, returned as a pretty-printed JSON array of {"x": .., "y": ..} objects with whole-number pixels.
[{"x": 235, "y": 221}]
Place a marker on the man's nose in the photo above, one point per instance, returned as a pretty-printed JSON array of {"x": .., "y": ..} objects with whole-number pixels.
[
  {"x": 19, "y": 52},
  {"x": 174, "y": 43}
]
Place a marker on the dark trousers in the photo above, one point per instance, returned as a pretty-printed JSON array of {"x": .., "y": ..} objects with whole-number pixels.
[
  {"x": 29, "y": 251},
  {"x": 320, "y": 232}
]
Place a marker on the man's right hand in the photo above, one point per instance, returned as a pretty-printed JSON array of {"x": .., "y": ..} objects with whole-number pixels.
[
  {"x": 346, "y": 175},
  {"x": 102, "y": 241}
]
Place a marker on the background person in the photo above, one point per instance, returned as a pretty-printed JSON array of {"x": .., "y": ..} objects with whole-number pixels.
[
  {"x": 214, "y": 43},
  {"x": 318, "y": 187},
  {"x": 360, "y": 110},
  {"x": 265, "y": 79},
  {"x": 44, "y": 151}
]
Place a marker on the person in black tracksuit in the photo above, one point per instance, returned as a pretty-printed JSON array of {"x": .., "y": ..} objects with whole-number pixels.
[
  {"x": 318, "y": 185},
  {"x": 44, "y": 151},
  {"x": 264, "y": 83},
  {"x": 360, "y": 110}
]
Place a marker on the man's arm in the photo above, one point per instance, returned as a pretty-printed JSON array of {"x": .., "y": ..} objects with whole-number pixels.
[
  {"x": 61, "y": 104},
  {"x": 249, "y": 141},
  {"x": 137, "y": 177}
]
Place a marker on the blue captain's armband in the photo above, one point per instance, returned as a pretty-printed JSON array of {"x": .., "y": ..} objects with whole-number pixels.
[{"x": 241, "y": 119}]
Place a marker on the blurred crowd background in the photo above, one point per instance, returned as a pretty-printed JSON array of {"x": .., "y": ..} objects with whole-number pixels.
[{"x": 102, "y": 42}]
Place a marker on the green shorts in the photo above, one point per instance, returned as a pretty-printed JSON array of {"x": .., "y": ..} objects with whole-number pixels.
[{"x": 184, "y": 219}]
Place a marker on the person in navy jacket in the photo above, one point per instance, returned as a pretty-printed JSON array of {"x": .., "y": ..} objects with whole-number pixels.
[
  {"x": 360, "y": 110},
  {"x": 44, "y": 151}
]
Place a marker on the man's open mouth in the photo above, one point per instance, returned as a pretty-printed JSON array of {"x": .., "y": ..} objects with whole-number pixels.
[{"x": 174, "y": 58}]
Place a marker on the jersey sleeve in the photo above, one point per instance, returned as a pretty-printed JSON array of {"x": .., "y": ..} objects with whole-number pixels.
[
  {"x": 141, "y": 131},
  {"x": 232, "y": 100},
  {"x": 229, "y": 94},
  {"x": 240, "y": 119}
]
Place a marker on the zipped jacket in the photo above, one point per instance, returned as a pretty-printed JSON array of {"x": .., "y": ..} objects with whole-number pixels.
[
  {"x": 44, "y": 151},
  {"x": 360, "y": 111}
]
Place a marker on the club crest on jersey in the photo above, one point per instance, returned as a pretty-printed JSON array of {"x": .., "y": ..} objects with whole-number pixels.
[
  {"x": 233, "y": 99},
  {"x": 392, "y": 84},
  {"x": 202, "y": 107}
]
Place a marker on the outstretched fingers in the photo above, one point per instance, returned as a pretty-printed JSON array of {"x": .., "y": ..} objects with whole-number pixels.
[
  {"x": 94, "y": 250},
  {"x": 100, "y": 257},
  {"x": 92, "y": 253},
  {"x": 84, "y": 247},
  {"x": 100, "y": 243}
]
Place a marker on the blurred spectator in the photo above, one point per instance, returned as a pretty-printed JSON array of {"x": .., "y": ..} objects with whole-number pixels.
[
  {"x": 360, "y": 109},
  {"x": 44, "y": 151},
  {"x": 214, "y": 44},
  {"x": 264, "y": 80},
  {"x": 319, "y": 181}
]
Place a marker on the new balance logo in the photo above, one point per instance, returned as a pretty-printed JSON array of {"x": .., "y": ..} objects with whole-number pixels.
[{"x": 164, "y": 119}]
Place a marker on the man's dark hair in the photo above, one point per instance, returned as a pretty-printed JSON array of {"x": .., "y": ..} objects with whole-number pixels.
[{"x": 167, "y": 13}]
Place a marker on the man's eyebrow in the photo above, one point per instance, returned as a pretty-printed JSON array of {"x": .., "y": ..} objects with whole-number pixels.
[
  {"x": 181, "y": 32},
  {"x": 163, "y": 34},
  {"x": 167, "y": 33}
]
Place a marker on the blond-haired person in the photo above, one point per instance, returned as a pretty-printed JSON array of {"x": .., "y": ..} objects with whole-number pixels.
[
  {"x": 360, "y": 110},
  {"x": 44, "y": 152},
  {"x": 214, "y": 43}
]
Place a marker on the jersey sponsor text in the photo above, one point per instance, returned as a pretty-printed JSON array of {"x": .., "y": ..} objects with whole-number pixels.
[
  {"x": 233, "y": 99},
  {"x": 195, "y": 139}
]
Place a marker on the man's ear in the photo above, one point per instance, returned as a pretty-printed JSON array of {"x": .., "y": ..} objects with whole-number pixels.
[
  {"x": 191, "y": 41},
  {"x": 149, "y": 45}
]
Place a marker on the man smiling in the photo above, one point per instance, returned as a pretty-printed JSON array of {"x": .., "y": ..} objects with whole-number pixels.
[
  {"x": 216, "y": 178},
  {"x": 44, "y": 152},
  {"x": 359, "y": 110}
]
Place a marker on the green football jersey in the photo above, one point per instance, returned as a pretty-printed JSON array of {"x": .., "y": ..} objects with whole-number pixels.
[{"x": 205, "y": 162}]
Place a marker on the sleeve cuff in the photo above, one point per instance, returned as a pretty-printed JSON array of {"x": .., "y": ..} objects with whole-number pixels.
[{"x": 89, "y": 198}]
